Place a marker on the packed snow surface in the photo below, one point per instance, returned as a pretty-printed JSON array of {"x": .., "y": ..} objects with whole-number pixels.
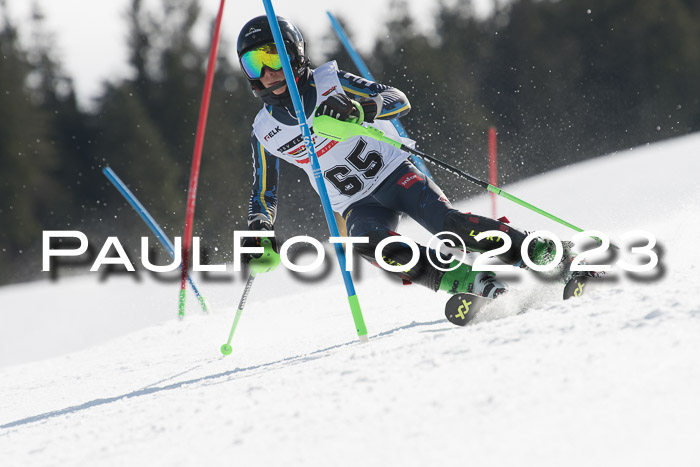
[{"x": 101, "y": 373}]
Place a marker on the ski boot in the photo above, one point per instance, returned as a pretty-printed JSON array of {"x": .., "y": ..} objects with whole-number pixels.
[
  {"x": 545, "y": 250},
  {"x": 464, "y": 280},
  {"x": 574, "y": 282}
]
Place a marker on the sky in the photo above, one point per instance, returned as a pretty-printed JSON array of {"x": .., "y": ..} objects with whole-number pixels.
[{"x": 90, "y": 36}]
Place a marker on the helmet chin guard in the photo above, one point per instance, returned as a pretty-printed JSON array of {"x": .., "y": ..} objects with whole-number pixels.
[{"x": 265, "y": 91}]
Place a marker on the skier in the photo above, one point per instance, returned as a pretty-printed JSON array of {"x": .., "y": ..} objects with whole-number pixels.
[{"x": 369, "y": 183}]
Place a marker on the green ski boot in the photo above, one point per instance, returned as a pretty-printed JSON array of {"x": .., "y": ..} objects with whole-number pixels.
[{"x": 464, "y": 280}]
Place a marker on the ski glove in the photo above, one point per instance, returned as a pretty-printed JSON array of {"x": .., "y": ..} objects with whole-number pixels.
[
  {"x": 341, "y": 107},
  {"x": 257, "y": 241},
  {"x": 371, "y": 107}
]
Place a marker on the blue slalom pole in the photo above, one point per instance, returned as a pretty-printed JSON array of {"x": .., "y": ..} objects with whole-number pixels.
[
  {"x": 150, "y": 222},
  {"x": 364, "y": 71},
  {"x": 320, "y": 183}
]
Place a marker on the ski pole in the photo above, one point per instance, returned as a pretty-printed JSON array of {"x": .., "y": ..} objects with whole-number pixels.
[
  {"x": 329, "y": 127},
  {"x": 226, "y": 348}
]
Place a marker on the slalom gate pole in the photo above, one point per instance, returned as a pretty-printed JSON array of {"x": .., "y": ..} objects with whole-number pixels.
[
  {"x": 321, "y": 185},
  {"x": 196, "y": 160},
  {"x": 329, "y": 127},
  {"x": 364, "y": 71},
  {"x": 493, "y": 167},
  {"x": 226, "y": 348},
  {"x": 152, "y": 224}
]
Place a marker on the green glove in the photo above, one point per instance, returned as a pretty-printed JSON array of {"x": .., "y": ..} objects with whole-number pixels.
[{"x": 266, "y": 262}]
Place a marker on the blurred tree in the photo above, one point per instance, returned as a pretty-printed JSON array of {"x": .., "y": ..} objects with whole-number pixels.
[
  {"x": 148, "y": 123},
  {"x": 30, "y": 192},
  {"x": 570, "y": 80},
  {"x": 71, "y": 135}
]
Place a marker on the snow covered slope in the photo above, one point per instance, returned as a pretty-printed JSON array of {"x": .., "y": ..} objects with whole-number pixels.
[{"x": 610, "y": 379}]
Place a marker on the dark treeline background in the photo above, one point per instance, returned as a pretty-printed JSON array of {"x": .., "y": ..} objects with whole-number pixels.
[{"x": 561, "y": 80}]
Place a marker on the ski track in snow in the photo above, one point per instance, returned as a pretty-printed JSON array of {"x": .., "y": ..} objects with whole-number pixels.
[{"x": 103, "y": 374}]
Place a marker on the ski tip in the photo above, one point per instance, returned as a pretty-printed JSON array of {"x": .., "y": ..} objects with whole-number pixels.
[
  {"x": 461, "y": 308},
  {"x": 575, "y": 287},
  {"x": 364, "y": 338}
]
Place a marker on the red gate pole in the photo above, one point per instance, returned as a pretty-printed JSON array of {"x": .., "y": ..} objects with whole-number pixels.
[
  {"x": 493, "y": 167},
  {"x": 196, "y": 160}
]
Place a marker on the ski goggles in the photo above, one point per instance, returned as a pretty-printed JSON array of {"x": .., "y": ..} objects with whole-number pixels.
[{"x": 256, "y": 59}]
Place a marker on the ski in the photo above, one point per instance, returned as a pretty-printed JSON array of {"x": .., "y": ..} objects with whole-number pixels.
[
  {"x": 576, "y": 285},
  {"x": 461, "y": 308}
]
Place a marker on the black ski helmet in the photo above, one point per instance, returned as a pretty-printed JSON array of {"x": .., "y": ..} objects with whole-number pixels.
[{"x": 257, "y": 32}]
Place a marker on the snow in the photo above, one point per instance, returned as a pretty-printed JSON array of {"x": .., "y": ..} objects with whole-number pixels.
[{"x": 101, "y": 373}]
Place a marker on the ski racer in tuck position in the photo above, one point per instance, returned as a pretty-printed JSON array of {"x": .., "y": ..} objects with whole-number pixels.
[{"x": 369, "y": 183}]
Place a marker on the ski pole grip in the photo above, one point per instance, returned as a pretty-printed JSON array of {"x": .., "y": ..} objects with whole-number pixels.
[
  {"x": 329, "y": 127},
  {"x": 338, "y": 130}
]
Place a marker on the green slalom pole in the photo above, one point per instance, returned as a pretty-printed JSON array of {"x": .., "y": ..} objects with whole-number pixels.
[
  {"x": 226, "y": 348},
  {"x": 332, "y": 128}
]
